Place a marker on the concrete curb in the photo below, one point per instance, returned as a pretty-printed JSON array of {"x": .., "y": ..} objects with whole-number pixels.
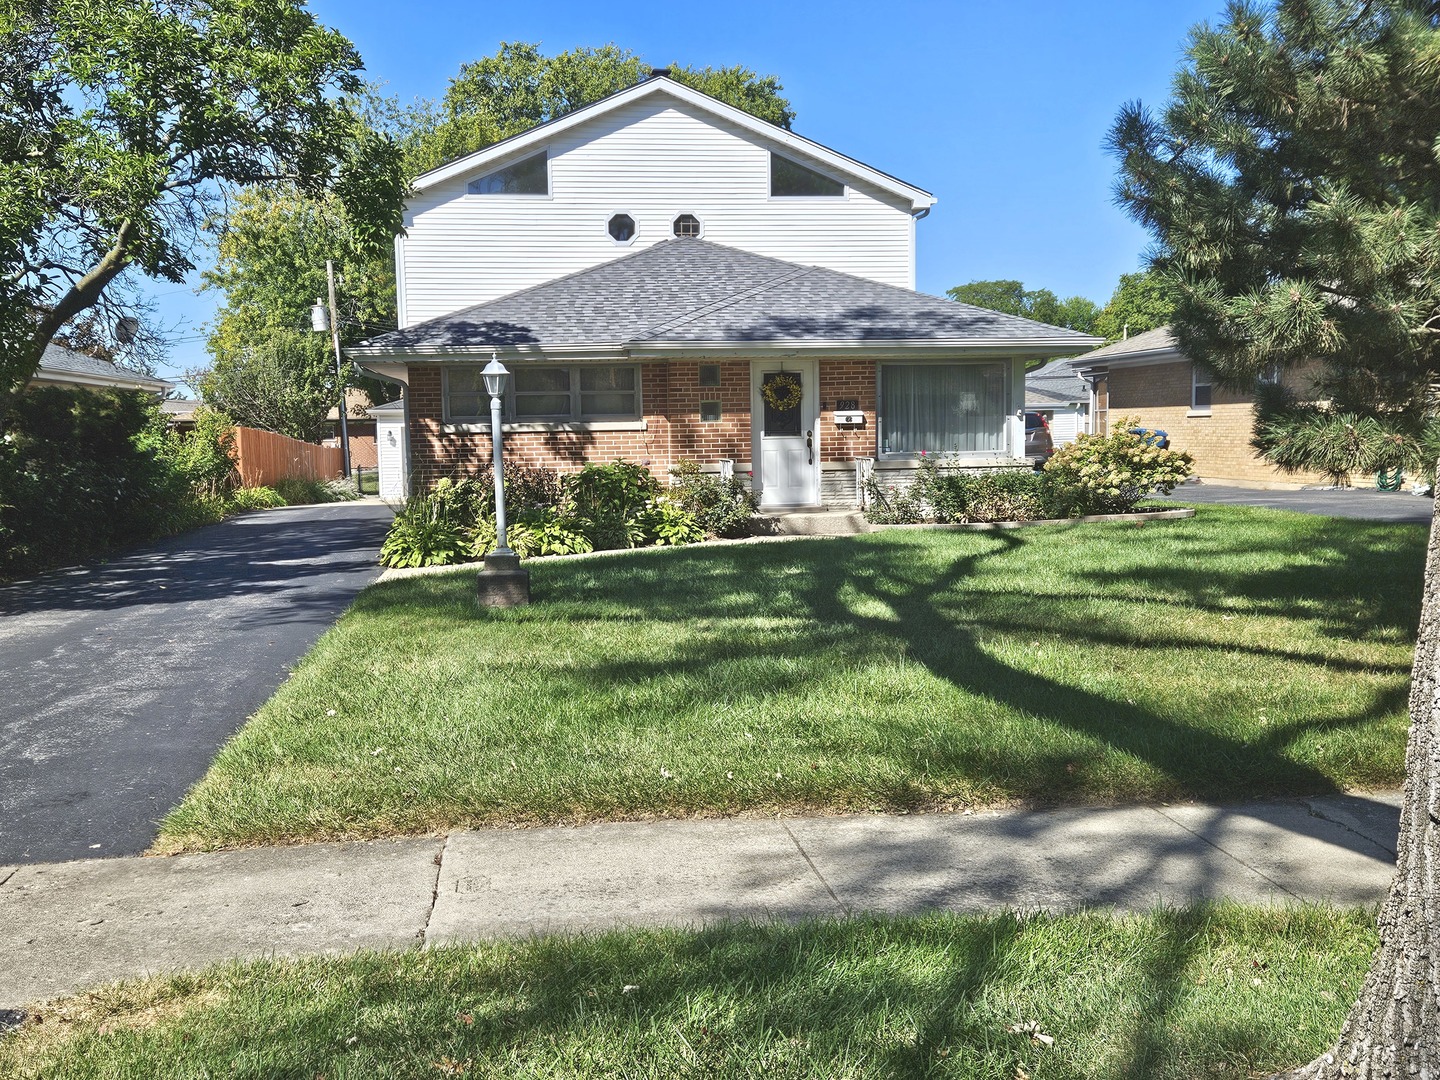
[
  {"x": 982, "y": 526},
  {"x": 74, "y": 925}
]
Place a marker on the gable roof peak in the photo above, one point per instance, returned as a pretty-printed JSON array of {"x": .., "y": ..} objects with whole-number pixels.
[{"x": 664, "y": 84}]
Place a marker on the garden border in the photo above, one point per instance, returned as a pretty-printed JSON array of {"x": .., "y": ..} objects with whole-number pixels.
[{"x": 1138, "y": 515}]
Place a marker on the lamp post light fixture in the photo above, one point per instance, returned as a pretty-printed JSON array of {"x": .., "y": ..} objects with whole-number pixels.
[
  {"x": 324, "y": 318},
  {"x": 503, "y": 582},
  {"x": 495, "y": 374}
]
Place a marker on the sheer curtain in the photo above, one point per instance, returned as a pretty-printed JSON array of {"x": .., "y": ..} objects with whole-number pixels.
[{"x": 942, "y": 408}]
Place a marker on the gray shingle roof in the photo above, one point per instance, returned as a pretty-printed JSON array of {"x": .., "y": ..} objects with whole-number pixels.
[
  {"x": 693, "y": 292},
  {"x": 1158, "y": 340},
  {"x": 1056, "y": 383},
  {"x": 57, "y": 360}
]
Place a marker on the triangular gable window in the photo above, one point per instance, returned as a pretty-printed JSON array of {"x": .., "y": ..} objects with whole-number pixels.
[
  {"x": 789, "y": 179},
  {"x": 528, "y": 176}
]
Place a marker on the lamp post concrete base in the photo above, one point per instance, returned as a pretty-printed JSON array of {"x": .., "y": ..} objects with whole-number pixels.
[{"x": 502, "y": 582}]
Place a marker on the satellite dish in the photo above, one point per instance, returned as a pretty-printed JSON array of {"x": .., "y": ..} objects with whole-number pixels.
[{"x": 126, "y": 329}]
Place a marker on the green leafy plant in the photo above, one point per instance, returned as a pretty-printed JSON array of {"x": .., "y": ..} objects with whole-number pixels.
[
  {"x": 1109, "y": 474},
  {"x": 254, "y": 498},
  {"x": 1007, "y": 495},
  {"x": 421, "y": 535},
  {"x": 721, "y": 507},
  {"x": 666, "y": 521},
  {"x": 536, "y": 532}
]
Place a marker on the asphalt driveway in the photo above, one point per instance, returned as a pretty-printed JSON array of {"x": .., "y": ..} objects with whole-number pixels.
[
  {"x": 122, "y": 680},
  {"x": 1363, "y": 503}
]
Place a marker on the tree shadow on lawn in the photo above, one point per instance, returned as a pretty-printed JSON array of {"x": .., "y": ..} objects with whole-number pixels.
[
  {"x": 933, "y": 618},
  {"x": 925, "y": 997}
]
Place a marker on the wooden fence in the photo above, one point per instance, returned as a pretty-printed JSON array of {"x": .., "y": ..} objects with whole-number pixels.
[{"x": 263, "y": 457}]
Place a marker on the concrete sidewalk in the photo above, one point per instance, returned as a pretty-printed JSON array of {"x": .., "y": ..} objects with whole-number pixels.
[{"x": 73, "y": 925}]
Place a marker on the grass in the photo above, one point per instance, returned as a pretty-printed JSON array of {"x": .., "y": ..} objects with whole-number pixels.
[
  {"x": 1210, "y": 992},
  {"x": 1242, "y": 653}
]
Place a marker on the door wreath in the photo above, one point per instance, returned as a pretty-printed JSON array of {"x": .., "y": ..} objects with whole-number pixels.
[{"x": 781, "y": 393}]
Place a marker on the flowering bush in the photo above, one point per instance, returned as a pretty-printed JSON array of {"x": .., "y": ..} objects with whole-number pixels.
[{"x": 1109, "y": 474}]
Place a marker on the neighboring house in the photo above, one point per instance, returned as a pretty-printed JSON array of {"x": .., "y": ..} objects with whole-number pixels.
[
  {"x": 391, "y": 452},
  {"x": 60, "y": 366},
  {"x": 1058, "y": 393},
  {"x": 669, "y": 277},
  {"x": 1147, "y": 377}
]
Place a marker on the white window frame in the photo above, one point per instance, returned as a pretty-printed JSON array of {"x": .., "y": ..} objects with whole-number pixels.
[
  {"x": 575, "y": 415},
  {"x": 687, "y": 213},
  {"x": 770, "y": 183},
  {"x": 470, "y": 193},
  {"x": 634, "y": 220},
  {"x": 1003, "y": 451},
  {"x": 1196, "y": 381}
]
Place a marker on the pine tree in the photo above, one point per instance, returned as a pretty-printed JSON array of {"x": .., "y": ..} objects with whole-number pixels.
[{"x": 1292, "y": 185}]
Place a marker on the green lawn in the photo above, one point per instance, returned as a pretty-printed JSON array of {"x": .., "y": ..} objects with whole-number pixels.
[
  {"x": 1238, "y": 654},
  {"x": 1212, "y": 993}
]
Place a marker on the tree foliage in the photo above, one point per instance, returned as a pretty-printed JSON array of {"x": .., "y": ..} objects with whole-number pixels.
[
  {"x": 1042, "y": 305},
  {"x": 1142, "y": 301},
  {"x": 519, "y": 87},
  {"x": 270, "y": 369},
  {"x": 1292, "y": 185},
  {"x": 121, "y": 125}
]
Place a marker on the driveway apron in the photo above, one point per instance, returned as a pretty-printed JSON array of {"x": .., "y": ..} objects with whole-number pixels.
[{"x": 122, "y": 680}]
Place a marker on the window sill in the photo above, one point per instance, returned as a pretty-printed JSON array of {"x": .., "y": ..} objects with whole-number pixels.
[
  {"x": 977, "y": 460},
  {"x": 516, "y": 428},
  {"x": 1202, "y": 414}
]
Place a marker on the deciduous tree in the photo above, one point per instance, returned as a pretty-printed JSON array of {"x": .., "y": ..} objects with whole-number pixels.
[
  {"x": 1292, "y": 185},
  {"x": 121, "y": 125}
]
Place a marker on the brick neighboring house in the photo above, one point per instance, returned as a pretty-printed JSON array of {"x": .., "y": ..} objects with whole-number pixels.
[
  {"x": 1149, "y": 378},
  {"x": 649, "y": 265}
]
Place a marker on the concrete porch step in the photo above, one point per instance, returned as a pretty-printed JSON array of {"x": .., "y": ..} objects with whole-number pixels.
[{"x": 812, "y": 523}]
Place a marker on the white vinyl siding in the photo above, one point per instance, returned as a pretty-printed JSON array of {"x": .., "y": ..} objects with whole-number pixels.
[
  {"x": 390, "y": 456},
  {"x": 652, "y": 160}
]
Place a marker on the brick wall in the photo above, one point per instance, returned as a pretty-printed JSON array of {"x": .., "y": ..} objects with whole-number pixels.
[
  {"x": 671, "y": 395},
  {"x": 1158, "y": 395}
]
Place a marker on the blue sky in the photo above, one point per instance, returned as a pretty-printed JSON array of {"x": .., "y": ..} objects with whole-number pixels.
[{"x": 998, "y": 108}]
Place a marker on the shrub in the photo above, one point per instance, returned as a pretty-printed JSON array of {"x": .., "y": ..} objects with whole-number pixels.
[
  {"x": 720, "y": 507},
  {"x": 302, "y": 491},
  {"x": 421, "y": 535},
  {"x": 81, "y": 474},
  {"x": 203, "y": 457},
  {"x": 255, "y": 498},
  {"x": 1109, "y": 474},
  {"x": 889, "y": 504},
  {"x": 1008, "y": 495},
  {"x": 665, "y": 521}
]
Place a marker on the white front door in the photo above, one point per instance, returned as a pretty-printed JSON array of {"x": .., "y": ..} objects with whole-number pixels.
[{"x": 786, "y": 433}]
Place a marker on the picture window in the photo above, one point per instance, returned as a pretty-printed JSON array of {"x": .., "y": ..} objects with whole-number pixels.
[
  {"x": 790, "y": 180},
  {"x": 529, "y": 176}
]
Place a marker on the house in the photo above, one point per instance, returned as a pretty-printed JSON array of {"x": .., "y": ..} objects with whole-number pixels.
[
  {"x": 60, "y": 366},
  {"x": 1148, "y": 377},
  {"x": 1058, "y": 393},
  {"x": 668, "y": 277}
]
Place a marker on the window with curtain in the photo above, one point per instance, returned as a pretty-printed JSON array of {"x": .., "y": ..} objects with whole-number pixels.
[{"x": 943, "y": 408}]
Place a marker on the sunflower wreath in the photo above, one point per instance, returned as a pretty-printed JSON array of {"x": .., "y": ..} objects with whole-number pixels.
[{"x": 782, "y": 393}]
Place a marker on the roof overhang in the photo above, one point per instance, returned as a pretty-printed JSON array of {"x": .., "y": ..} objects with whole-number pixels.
[
  {"x": 390, "y": 363},
  {"x": 1167, "y": 355},
  {"x": 46, "y": 377},
  {"x": 920, "y": 200}
]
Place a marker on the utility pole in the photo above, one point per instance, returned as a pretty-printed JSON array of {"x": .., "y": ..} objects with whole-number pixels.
[{"x": 339, "y": 374}]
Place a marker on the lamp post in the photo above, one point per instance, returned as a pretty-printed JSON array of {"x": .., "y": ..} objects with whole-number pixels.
[
  {"x": 495, "y": 374},
  {"x": 322, "y": 319},
  {"x": 503, "y": 582}
]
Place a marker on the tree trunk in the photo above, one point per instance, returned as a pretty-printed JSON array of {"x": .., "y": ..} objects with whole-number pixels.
[{"x": 1393, "y": 1030}]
